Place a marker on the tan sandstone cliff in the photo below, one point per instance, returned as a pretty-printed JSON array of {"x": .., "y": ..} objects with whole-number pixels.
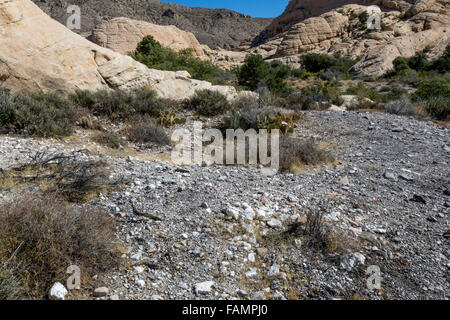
[
  {"x": 123, "y": 34},
  {"x": 38, "y": 52}
]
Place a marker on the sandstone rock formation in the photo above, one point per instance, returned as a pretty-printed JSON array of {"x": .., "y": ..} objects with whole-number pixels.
[
  {"x": 379, "y": 59},
  {"x": 122, "y": 35},
  {"x": 406, "y": 28},
  {"x": 299, "y": 10},
  {"x": 312, "y": 32},
  {"x": 217, "y": 28},
  {"x": 37, "y": 52}
]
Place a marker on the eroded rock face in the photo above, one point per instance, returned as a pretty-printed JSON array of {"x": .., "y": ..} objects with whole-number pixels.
[
  {"x": 299, "y": 10},
  {"x": 122, "y": 35},
  {"x": 379, "y": 59},
  {"x": 38, "y": 52},
  {"x": 406, "y": 27},
  {"x": 307, "y": 35}
]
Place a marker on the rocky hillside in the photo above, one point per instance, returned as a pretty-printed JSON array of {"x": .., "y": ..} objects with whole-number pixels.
[
  {"x": 226, "y": 232},
  {"x": 299, "y": 10},
  {"x": 213, "y": 27},
  {"x": 405, "y": 29}
]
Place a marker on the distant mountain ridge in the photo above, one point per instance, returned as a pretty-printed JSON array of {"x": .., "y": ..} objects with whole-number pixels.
[{"x": 214, "y": 27}]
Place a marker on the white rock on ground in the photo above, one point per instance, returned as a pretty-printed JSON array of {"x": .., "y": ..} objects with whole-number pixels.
[
  {"x": 203, "y": 287},
  {"x": 57, "y": 292}
]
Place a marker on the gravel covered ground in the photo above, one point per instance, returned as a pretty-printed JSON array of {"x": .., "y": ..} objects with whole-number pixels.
[{"x": 230, "y": 232}]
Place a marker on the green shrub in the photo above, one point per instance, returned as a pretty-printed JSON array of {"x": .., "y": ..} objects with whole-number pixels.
[
  {"x": 261, "y": 118},
  {"x": 315, "y": 62},
  {"x": 362, "y": 91},
  {"x": 442, "y": 64},
  {"x": 119, "y": 104},
  {"x": 431, "y": 88},
  {"x": 363, "y": 17},
  {"x": 37, "y": 113},
  {"x": 404, "y": 67},
  {"x": 434, "y": 93},
  {"x": 151, "y": 53},
  {"x": 40, "y": 237},
  {"x": 438, "y": 107},
  {"x": 252, "y": 72},
  {"x": 208, "y": 103},
  {"x": 319, "y": 93},
  {"x": 256, "y": 72}
]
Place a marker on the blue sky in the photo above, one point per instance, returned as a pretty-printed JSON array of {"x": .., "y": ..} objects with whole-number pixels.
[{"x": 254, "y": 8}]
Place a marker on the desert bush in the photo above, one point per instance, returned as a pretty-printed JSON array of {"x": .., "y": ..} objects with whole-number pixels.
[
  {"x": 120, "y": 105},
  {"x": 41, "y": 236},
  {"x": 336, "y": 65},
  {"x": 261, "y": 118},
  {"x": 331, "y": 75},
  {"x": 437, "y": 107},
  {"x": 296, "y": 153},
  {"x": 314, "y": 62},
  {"x": 295, "y": 101},
  {"x": 246, "y": 102},
  {"x": 318, "y": 93},
  {"x": 434, "y": 94},
  {"x": 109, "y": 140},
  {"x": 256, "y": 71},
  {"x": 63, "y": 174},
  {"x": 406, "y": 69},
  {"x": 401, "y": 107},
  {"x": 320, "y": 235},
  {"x": 362, "y": 91},
  {"x": 145, "y": 130},
  {"x": 208, "y": 103},
  {"x": 252, "y": 72},
  {"x": 37, "y": 113},
  {"x": 151, "y": 53},
  {"x": 432, "y": 88},
  {"x": 442, "y": 64}
]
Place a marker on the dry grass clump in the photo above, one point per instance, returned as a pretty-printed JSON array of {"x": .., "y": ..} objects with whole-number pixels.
[
  {"x": 143, "y": 130},
  {"x": 296, "y": 153},
  {"x": 109, "y": 140},
  {"x": 41, "y": 236},
  {"x": 322, "y": 236},
  {"x": 63, "y": 174},
  {"x": 9, "y": 285}
]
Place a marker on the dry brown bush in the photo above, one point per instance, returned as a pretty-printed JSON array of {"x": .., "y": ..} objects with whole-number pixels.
[
  {"x": 63, "y": 174},
  {"x": 109, "y": 140},
  {"x": 322, "y": 236},
  {"x": 296, "y": 152},
  {"x": 41, "y": 236},
  {"x": 143, "y": 130}
]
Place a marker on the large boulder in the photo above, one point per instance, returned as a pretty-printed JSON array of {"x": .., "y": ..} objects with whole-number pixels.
[
  {"x": 38, "y": 52},
  {"x": 122, "y": 35}
]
